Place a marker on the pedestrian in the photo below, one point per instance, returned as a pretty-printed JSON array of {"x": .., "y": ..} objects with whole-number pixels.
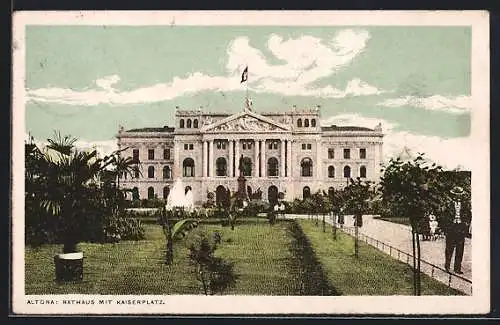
[
  {"x": 455, "y": 224},
  {"x": 433, "y": 224}
]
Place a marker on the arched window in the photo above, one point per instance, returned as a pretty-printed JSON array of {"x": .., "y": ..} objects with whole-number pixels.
[
  {"x": 306, "y": 167},
  {"x": 166, "y": 192},
  {"x": 151, "y": 193},
  {"x": 299, "y": 123},
  {"x": 181, "y": 123},
  {"x": 347, "y": 172},
  {"x": 195, "y": 123},
  {"x": 306, "y": 123},
  {"x": 166, "y": 172},
  {"x": 313, "y": 122},
  {"x": 362, "y": 172},
  {"x": 151, "y": 172},
  {"x": 188, "y": 123},
  {"x": 331, "y": 192},
  {"x": 247, "y": 166},
  {"x": 188, "y": 167},
  {"x": 221, "y": 166},
  {"x": 306, "y": 192},
  {"x": 331, "y": 171},
  {"x": 272, "y": 167}
]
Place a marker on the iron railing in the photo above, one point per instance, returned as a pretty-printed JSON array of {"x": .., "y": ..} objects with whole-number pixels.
[{"x": 454, "y": 281}]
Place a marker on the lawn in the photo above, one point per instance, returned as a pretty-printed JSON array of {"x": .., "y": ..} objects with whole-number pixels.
[
  {"x": 288, "y": 258},
  {"x": 260, "y": 254},
  {"x": 373, "y": 273}
]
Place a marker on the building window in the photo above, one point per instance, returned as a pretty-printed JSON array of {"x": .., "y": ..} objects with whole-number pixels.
[
  {"x": 221, "y": 145},
  {"x": 181, "y": 123},
  {"x": 135, "y": 155},
  {"x": 362, "y": 153},
  {"x": 331, "y": 172},
  {"x": 313, "y": 123},
  {"x": 362, "y": 172},
  {"x": 137, "y": 173},
  {"x": 151, "y": 154},
  {"x": 166, "y": 172},
  {"x": 191, "y": 146},
  {"x": 331, "y": 153},
  {"x": 347, "y": 172},
  {"x": 221, "y": 166},
  {"x": 151, "y": 172},
  {"x": 299, "y": 123},
  {"x": 247, "y": 166},
  {"x": 188, "y": 123},
  {"x": 306, "y": 123},
  {"x": 151, "y": 193},
  {"x": 272, "y": 167},
  {"x": 166, "y": 192},
  {"x": 166, "y": 154},
  {"x": 347, "y": 153},
  {"x": 306, "y": 167},
  {"x": 273, "y": 145},
  {"x": 306, "y": 192},
  {"x": 247, "y": 145},
  {"x": 195, "y": 123},
  {"x": 309, "y": 146},
  {"x": 303, "y": 146},
  {"x": 186, "y": 146},
  {"x": 188, "y": 167}
]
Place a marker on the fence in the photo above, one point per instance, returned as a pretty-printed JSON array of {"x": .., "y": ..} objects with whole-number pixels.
[{"x": 436, "y": 272}]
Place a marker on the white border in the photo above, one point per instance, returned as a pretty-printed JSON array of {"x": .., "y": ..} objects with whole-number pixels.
[{"x": 478, "y": 303}]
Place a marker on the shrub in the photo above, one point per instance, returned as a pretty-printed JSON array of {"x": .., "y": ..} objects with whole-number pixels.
[{"x": 123, "y": 228}]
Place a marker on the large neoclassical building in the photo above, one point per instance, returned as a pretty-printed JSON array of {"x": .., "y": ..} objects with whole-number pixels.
[{"x": 281, "y": 152}]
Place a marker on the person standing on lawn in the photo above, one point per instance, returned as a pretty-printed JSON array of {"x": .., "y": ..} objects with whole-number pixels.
[{"x": 455, "y": 224}]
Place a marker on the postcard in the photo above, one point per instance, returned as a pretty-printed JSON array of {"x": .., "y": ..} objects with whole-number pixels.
[{"x": 250, "y": 162}]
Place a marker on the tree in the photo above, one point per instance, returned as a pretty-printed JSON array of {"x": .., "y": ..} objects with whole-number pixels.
[
  {"x": 173, "y": 232},
  {"x": 124, "y": 166},
  {"x": 413, "y": 189},
  {"x": 215, "y": 274},
  {"x": 357, "y": 197},
  {"x": 68, "y": 184}
]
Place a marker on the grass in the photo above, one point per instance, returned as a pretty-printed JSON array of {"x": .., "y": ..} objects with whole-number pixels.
[
  {"x": 283, "y": 259},
  {"x": 373, "y": 273},
  {"x": 259, "y": 252}
]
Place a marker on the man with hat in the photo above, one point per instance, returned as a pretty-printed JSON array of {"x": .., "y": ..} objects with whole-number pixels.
[{"x": 455, "y": 224}]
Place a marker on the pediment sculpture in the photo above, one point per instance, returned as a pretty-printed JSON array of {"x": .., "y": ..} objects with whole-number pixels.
[{"x": 246, "y": 123}]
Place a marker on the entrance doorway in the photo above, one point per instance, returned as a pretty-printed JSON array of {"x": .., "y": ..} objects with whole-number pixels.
[
  {"x": 220, "y": 193},
  {"x": 272, "y": 195}
]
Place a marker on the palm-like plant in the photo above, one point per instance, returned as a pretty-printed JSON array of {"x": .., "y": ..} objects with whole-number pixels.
[
  {"x": 67, "y": 179},
  {"x": 124, "y": 166},
  {"x": 175, "y": 231}
]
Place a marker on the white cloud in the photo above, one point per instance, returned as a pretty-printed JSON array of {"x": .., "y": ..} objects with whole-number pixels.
[
  {"x": 306, "y": 59},
  {"x": 456, "y": 105},
  {"x": 448, "y": 152}
]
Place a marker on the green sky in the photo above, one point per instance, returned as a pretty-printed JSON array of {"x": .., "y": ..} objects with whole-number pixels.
[{"x": 431, "y": 65}]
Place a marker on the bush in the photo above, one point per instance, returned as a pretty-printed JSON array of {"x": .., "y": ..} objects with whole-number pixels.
[{"x": 123, "y": 228}]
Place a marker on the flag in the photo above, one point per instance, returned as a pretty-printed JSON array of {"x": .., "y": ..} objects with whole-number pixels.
[{"x": 244, "y": 75}]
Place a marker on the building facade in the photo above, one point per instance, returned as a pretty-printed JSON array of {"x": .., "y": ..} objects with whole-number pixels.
[{"x": 279, "y": 152}]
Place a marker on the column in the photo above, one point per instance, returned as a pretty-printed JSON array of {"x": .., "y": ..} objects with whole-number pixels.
[
  {"x": 263, "y": 158},
  {"x": 282, "y": 158},
  {"x": 256, "y": 160},
  {"x": 319, "y": 165},
  {"x": 236, "y": 157},
  {"x": 289, "y": 158},
  {"x": 231, "y": 159},
  {"x": 177, "y": 162},
  {"x": 211, "y": 158},
  {"x": 205, "y": 157}
]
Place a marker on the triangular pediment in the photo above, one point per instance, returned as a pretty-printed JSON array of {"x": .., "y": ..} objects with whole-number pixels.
[{"x": 246, "y": 122}]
